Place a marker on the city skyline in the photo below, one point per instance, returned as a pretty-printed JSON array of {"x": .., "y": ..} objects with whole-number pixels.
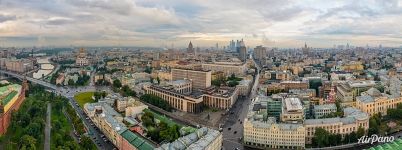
[{"x": 157, "y": 23}]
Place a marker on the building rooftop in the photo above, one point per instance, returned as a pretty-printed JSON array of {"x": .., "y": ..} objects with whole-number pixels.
[
  {"x": 108, "y": 113},
  {"x": 373, "y": 92},
  {"x": 325, "y": 107},
  {"x": 180, "y": 82},
  {"x": 365, "y": 99},
  {"x": 198, "y": 140},
  {"x": 260, "y": 119},
  {"x": 357, "y": 84},
  {"x": 351, "y": 115},
  {"x": 293, "y": 104},
  {"x": 245, "y": 82},
  {"x": 137, "y": 141},
  {"x": 9, "y": 92}
]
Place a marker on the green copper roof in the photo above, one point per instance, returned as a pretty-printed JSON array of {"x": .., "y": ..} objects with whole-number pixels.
[
  {"x": 137, "y": 141},
  {"x": 395, "y": 145},
  {"x": 8, "y": 98}
]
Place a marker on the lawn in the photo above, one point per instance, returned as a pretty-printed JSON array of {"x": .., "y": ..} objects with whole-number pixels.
[{"x": 84, "y": 97}]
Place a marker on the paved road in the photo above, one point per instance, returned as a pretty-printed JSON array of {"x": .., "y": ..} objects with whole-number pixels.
[
  {"x": 48, "y": 127},
  {"x": 233, "y": 128},
  {"x": 92, "y": 130}
]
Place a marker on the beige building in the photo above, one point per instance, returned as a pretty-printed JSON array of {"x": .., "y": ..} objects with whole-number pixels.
[
  {"x": 82, "y": 59},
  {"x": 292, "y": 110},
  {"x": 222, "y": 98},
  {"x": 229, "y": 68},
  {"x": 17, "y": 65},
  {"x": 162, "y": 75},
  {"x": 374, "y": 102},
  {"x": 179, "y": 101},
  {"x": 200, "y": 79},
  {"x": 354, "y": 118},
  {"x": 134, "y": 108},
  {"x": 244, "y": 87},
  {"x": 182, "y": 86},
  {"x": 347, "y": 92},
  {"x": 265, "y": 133},
  {"x": 60, "y": 79},
  {"x": 295, "y": 85},
  {"x": 107, "y": 120}
]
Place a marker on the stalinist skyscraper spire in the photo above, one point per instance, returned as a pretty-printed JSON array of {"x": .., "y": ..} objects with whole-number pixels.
[{"x": 190, "y": 48}]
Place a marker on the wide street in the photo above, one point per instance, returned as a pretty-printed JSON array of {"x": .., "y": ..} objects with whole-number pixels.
[
  {"x": 233, "y": 127},
  {"x": 93, "y": 131}
]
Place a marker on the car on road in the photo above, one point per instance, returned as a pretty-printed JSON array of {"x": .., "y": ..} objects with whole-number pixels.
[
  {"x": 229, "y": 129},
  {"x": 234, "y": 132}
]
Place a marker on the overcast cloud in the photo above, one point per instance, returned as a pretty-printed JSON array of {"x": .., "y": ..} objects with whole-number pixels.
[{"x": 159, "y": 23}]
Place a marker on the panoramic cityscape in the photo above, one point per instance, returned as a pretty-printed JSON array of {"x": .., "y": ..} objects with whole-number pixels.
[{"x": 200, "y": 74}]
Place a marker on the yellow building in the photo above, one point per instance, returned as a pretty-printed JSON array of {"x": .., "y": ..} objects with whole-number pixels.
[
  {"x": 354, "y": 66},
  {"x": 376, "y": 104}
]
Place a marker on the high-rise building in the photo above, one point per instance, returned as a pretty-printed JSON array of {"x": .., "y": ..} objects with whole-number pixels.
[
  {"x": 232, "y": 45},
  {"x": 242, "y": 51},
  {"x": 200, "y": 79},
  {"x": 190, "y": 48},
  {"x": 305, "y": 49},
  {"x": 260, "y": 53}
]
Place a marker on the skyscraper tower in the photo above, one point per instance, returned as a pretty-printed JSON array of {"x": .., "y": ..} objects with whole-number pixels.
[
  {"x": 242, "y": 51},
  {"x": 190, "y": 48},
  {"x": 305, "y": 49}
]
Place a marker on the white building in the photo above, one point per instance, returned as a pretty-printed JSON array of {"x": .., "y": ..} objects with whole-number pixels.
[{"x": 322, "y": 110}]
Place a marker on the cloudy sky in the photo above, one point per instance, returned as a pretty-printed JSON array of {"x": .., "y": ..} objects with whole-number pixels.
[{"x": 160, "y": 23}]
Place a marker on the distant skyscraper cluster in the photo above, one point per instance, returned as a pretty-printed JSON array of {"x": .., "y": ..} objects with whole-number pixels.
[{"x": 235, "y": 46}]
